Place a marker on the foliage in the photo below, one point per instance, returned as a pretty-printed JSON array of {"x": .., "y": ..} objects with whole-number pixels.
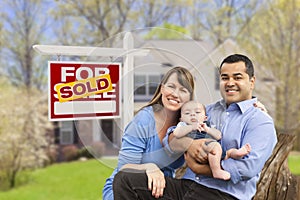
[
  {"x": 23, "y": 129},
  {"x": 164, "y": 33}
]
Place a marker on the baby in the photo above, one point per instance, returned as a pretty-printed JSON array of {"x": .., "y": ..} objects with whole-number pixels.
[{"x": 192, "y": 124}]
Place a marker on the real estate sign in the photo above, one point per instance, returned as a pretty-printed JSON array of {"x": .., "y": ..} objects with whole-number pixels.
[{"x": 83, "y": 90}]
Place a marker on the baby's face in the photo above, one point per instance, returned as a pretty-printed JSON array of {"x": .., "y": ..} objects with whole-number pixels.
[{"x": 193, "y": 112}]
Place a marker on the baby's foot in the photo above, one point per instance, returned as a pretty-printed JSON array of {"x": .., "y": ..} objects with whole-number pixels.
[
  {"x": 221, "y": 174},
  {"x": 244, "y": 150},
  {"x": 239, "y": 153}
]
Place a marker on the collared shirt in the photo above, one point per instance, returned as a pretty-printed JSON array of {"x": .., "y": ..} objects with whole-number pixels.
[
  {"x": 141, "y": 144},
  {"x": 240, "y": 123}
]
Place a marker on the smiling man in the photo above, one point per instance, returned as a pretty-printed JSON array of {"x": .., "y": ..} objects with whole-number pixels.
[{"x": 241, "y": 123}]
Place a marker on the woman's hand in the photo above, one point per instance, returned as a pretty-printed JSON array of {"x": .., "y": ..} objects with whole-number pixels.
[
  {"x": 156, "y": 180},
  {"x": 260, "y": 106},
  {"x": 198, "y": 150}
]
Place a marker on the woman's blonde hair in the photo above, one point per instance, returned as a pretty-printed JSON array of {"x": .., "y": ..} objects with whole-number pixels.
[{"x": 185, "y": 78}]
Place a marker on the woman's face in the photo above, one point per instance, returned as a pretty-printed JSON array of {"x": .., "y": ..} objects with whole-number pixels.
[{"x": 174, "y": 95}]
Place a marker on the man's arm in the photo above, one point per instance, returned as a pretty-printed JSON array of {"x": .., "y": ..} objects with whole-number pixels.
[{"x": 261, "y": 134}]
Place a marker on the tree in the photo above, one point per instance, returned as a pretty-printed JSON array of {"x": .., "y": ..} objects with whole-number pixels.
[
  {"x": 24, "y": 130},
  {"x": 151, "y": 13},
  {"x": 92, "y": 22},
  {"x": 20, "y": 31},
  {"x": 217, "y": 20},
  {"x": 24, "y": 125},
  {"x": 273, "y": 39},
  {"x": 89, "y": 22}
]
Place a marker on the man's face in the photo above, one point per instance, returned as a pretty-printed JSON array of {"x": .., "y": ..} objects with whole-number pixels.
[{"x": 235, "y": 84}]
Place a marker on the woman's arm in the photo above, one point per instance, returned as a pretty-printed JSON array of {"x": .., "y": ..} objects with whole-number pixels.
[
  {"x": 181, "y": 131},
  {"x": 196, "y": 148},
  {"x": 213, "y": 132},
  {"x": 134, "y": 143}
]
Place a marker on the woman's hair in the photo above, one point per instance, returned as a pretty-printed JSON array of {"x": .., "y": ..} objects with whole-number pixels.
[{"x": 185, "y": 78}]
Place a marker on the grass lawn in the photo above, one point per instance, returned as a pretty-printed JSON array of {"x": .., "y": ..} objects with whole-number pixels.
[
  {"x": 79, "y": 180},
  {"x": 67, "y": 181}
]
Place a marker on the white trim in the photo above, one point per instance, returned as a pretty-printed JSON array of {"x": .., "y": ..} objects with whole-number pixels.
[
  {"x": 86, "y": 51},
  {"x": 84, "y": 107}
]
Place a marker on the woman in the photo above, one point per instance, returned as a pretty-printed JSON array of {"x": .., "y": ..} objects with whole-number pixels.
[{"x": 142, "y": 140}]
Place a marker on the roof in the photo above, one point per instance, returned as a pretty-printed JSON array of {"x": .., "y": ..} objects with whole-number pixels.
[{"x": 188, "y": 53}]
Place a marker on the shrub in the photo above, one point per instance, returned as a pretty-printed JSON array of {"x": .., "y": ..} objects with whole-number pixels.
[
  {"x": 70, "y": 152},
  {"x": 52, "y": 154}
]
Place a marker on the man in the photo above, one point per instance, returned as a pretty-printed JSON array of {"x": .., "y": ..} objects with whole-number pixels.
[{"x": 241, "y": 123}]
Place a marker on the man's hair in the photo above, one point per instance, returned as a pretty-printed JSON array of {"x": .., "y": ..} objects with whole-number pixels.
[{"x": 237, "y": 58}]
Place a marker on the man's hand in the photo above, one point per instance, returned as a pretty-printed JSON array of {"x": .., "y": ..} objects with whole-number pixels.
[
  {"x": 199, "y": 150},
  {"x": 196, "y": 167}
]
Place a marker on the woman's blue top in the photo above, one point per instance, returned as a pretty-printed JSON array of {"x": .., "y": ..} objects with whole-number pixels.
[{"x": 141, "y": 144}]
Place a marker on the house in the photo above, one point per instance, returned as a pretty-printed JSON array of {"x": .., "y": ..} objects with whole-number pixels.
[{"x": 200, "y": 57}]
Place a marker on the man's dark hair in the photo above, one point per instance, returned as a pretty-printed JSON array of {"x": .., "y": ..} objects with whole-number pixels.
[{"x": 237, "y": 58}]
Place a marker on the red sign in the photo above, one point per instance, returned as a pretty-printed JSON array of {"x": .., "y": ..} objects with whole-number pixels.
[{"x": 83, "y": 90}]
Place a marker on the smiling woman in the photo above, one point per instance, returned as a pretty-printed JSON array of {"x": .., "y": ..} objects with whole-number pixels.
[{"x": 142, "y": 147}]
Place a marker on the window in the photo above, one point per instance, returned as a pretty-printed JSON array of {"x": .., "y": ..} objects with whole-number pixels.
[
  {"x": 153, "y": 83},
  {"x": 145, "y": 86},
  {"x": 107, "y": 127},
  {"x": 66, "y": 135},
  {"x": 139, "y": 85}
]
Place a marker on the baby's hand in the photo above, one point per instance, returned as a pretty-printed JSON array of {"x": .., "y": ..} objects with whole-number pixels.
[
  {"x": 198, "y": 127},
  {"x": 204, "y": 127}
]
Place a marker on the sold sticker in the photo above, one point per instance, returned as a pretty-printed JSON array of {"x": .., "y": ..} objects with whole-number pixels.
[{"x": 83, "y": 88}]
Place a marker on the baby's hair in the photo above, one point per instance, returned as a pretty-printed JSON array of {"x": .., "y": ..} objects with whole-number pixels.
[{"x": 197, "y": 102}]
